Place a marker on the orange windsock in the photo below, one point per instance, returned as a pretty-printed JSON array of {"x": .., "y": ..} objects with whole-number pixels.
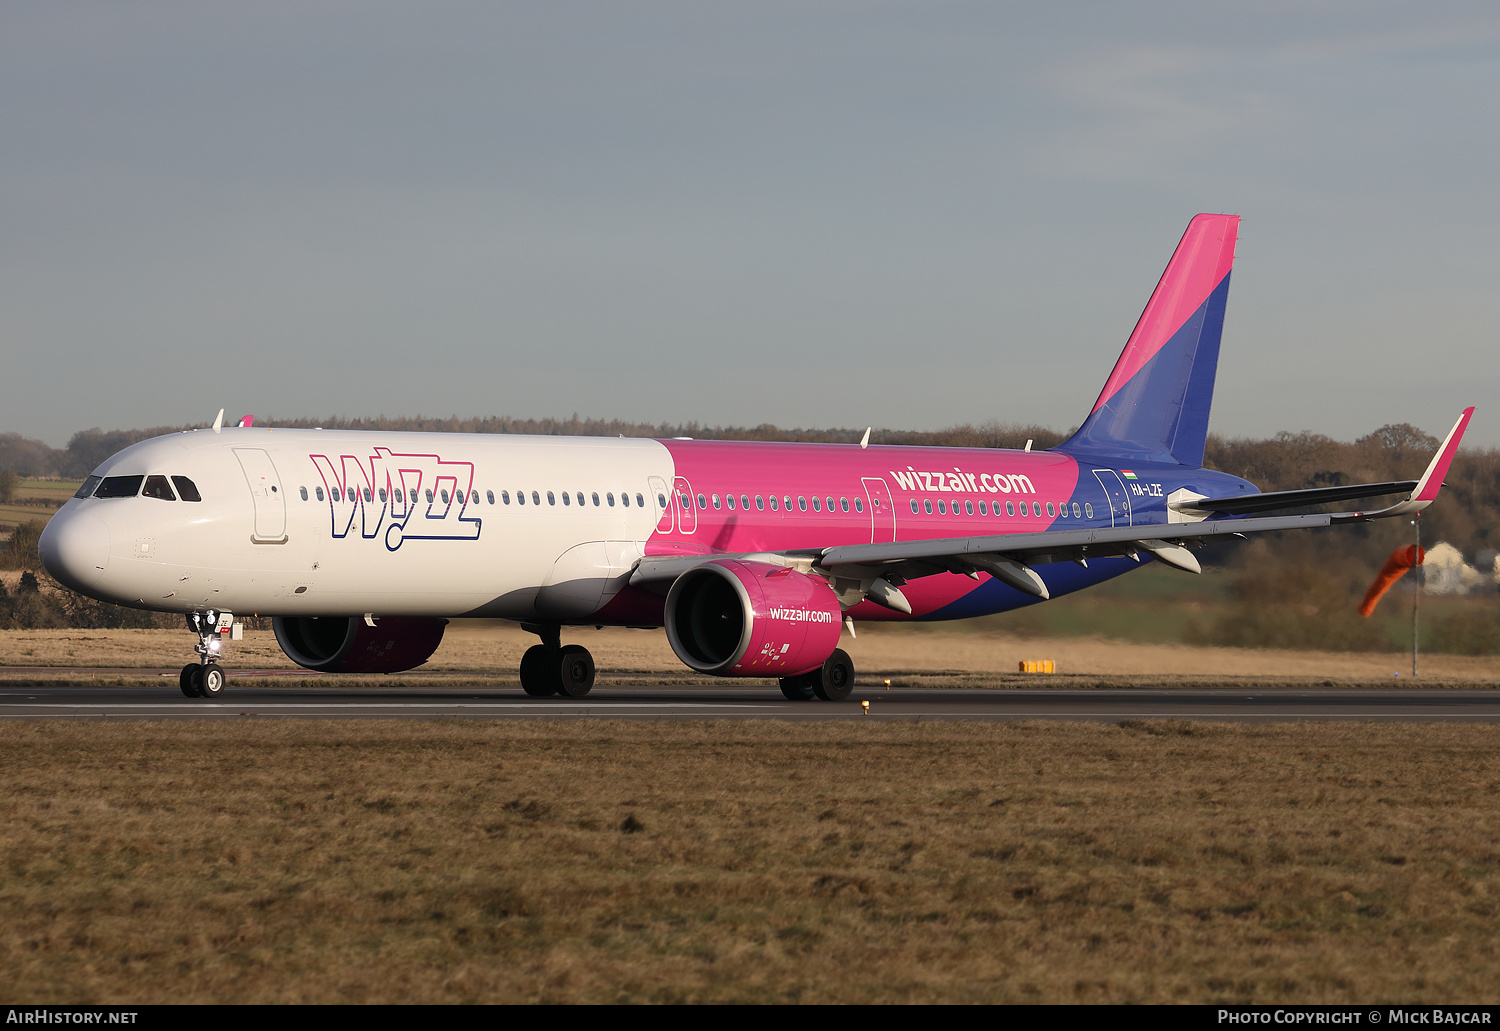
[{"x": 1395, "y": 567}]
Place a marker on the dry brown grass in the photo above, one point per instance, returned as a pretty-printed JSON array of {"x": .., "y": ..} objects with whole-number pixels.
[
  {"x": 500, "y": 862},
  {"x": 496, "y": 647}
]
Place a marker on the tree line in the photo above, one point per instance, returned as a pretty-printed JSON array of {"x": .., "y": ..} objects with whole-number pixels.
[
  {"x": 1466, "y": 517},
  {"x": 1289, "y": 589}
]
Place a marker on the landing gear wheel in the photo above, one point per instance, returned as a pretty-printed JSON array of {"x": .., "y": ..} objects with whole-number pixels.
[
  {"x": 798, "y": 688},
  {"x": 211, "y": 680},
  {"x": 835, "y": 681},
  {"x": 188, "y": 681},
  {"x": 538, "y": 676},
  {"x": 575, "y": 671}
]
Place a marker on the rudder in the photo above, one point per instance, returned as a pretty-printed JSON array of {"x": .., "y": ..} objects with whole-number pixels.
[{"x": 1155, "y": 404}]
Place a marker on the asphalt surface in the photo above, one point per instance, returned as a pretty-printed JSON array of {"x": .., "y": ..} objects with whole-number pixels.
[{"x": 261, "y": 697}]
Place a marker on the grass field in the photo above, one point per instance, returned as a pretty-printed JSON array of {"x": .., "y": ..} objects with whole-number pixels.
[
  {"x": 966, "y": 654},
  {"x": 598, "y": 862},
  {"x": 55, "y": 492}
]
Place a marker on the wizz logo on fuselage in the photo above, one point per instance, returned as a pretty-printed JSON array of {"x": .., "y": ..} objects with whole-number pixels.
[{"x": 403, "y": 497}]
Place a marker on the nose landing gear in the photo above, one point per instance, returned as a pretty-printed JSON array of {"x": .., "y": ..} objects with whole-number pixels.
[{"x": 205, "y": 678}]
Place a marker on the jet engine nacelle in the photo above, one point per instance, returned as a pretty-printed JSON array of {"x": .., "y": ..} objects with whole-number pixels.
[
  {"x": 341, "y": 644},
  {"x": 733, "y": 618}
]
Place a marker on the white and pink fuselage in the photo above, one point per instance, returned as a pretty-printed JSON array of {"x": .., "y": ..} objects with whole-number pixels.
[{"x": 342, "y": 523}]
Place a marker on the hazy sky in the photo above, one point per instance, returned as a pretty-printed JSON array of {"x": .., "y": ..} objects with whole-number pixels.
[{"x": 816, "y": 214}]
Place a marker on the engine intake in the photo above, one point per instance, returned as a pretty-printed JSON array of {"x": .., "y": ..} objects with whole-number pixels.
[
  {"x": 733, "y": 618},
  {"x": 342, "y": 644}
]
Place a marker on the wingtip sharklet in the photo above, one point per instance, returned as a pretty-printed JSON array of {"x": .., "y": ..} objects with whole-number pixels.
[{"x": 1432, "y": 480}]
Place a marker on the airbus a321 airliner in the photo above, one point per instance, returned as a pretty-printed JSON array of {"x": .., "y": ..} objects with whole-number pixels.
[{"x": 753, "y": 556}]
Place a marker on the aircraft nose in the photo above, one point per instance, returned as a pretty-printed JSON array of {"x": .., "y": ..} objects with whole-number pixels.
[{"x": 75, "y": 549}]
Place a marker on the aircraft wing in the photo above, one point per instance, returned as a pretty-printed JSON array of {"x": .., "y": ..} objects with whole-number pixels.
[
  {"x": 1008, "y": 557},
  {"x": 880, "y": 569}
]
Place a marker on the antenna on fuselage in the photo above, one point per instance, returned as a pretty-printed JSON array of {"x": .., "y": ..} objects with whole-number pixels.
[
  {"x": 1028, "y": 445},
  {"x": 219, "y": 421},
  {"x": 864, "y": 441}
]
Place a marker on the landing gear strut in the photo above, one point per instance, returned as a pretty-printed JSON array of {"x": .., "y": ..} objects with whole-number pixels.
[
  {"x": 552, "y": 668},
  {"x": 204, "y": 678}
]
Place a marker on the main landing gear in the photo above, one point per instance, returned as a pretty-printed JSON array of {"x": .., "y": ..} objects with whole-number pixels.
[
  {"x": 832, "y": 682},
  {"x": 552, "y": 668},
  {"x": 204, "y": 678}
]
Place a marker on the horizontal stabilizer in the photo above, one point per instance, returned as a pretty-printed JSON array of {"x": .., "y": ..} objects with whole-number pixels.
[{"x": 1282, "y": 500}]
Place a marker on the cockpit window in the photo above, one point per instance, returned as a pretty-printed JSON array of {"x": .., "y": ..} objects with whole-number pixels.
[
  {"x": 88, "y": 486},
  {"x": 158, "y": 487},
  {"x": 187, "y": 489},
  {"x": 119, "y": 487}
]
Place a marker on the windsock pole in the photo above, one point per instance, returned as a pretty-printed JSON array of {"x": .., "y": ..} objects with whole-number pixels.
[{"x": 1416, "y": 592}]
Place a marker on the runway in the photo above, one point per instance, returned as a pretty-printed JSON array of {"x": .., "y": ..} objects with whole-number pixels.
[{"x": 261, "y": 698}]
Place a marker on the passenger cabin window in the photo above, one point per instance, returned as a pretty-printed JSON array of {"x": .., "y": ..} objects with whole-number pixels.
[
  {"x": 157, "y": 487},
  {"x": 1076, "y": 513},
  {"x": 303, "y": 492},
  {"x": 729, "y": 501},
  {"x": 428, "y": 493},
  {"x": 119, "y": 487},
  {"x": 817, "y": 507},
  {"x": 716, "y": 501},
  {"x": 745, "y": 502},
  {"x": 913, "y": 506},
  {"x": 859, "y": 505},
  {"x": 579, "y": 496},
  {"x": 88, "y": 487},
  {"x": 368, "y": 497},
  {"x": 773, "y": 503},
  {"x": 760, "y": 503},
  {"x": 566, "y": 501},
  {"x": 624, "y": 499},
  {"x": 1050, "y": 510},
  {"x": 536, "y": 499},
  {"x": 490, "y": 496},
  {"x": 318, "y": 493},
  {"x": 594, "y": 497},
  {"x": 381, "y": 492},
  {"x": 550, "y": 499},
  {"x": 640, "y": 502}
]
